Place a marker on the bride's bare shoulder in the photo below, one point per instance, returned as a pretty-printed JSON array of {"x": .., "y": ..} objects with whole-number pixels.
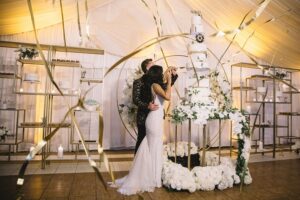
[{"x": 156, "y": 87}]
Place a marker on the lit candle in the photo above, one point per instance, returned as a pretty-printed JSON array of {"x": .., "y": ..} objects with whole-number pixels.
[
  {"x": 60, "y": 151},
  {"x": 21, "y": 89}
]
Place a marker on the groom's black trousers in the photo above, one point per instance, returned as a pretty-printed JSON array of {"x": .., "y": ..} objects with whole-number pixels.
[{"x": 141, "y": 126}]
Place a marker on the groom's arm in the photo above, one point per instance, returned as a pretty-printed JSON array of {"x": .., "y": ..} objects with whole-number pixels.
[{"x": 136, "y": 94}]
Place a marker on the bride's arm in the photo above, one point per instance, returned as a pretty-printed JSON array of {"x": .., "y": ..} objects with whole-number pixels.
[{"x": 166, "y": 94}]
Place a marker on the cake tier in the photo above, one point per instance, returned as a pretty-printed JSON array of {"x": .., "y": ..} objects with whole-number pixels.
[
  {"x": 199, "y": 56},
  {"x": 204, "y": 83},
  {"x": 196, "y": 28},
  {"x": 196, "y": 19},
  {"x": 197, "y": 48},
  {"x": 203, "y": 92},
  {"x": 199, "y": 63},
  {"x": 199, "y": 92}
]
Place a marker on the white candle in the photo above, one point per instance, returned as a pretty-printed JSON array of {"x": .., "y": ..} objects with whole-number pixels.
[
  {"x": 60, "y": 151},
  {"x": 100, "y": 149},
  {"x": 260, "y": 145},
  {"x": 248, "y": 109},
  {"x": 31, "y": 149}
]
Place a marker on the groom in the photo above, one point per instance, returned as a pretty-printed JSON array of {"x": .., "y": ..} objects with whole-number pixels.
[{"x": 143, "y": 100}]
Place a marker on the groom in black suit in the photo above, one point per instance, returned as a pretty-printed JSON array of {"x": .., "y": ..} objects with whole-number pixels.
[{"x": 143, "y": 100}]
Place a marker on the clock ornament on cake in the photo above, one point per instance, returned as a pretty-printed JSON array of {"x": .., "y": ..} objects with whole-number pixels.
[{"x": 200, "y": 37}]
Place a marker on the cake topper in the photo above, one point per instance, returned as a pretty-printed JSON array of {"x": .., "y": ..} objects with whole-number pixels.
[{"x": 196, "y": 12}]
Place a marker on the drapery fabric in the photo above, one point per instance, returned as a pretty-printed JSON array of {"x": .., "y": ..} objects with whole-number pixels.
[{"x": 128, "y": 23}]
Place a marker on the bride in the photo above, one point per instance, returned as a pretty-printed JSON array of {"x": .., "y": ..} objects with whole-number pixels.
[{"x": 145, "y": 173}]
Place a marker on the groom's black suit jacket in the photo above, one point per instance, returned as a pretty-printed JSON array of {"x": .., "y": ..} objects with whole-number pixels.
[{"x": 141, "y": 98}]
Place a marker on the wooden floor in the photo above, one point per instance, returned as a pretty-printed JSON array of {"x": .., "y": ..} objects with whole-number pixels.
[{"x": 278, "y": 180}]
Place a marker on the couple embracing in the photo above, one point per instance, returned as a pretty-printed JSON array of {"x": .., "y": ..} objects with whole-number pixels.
[{"x": 149, "y": 94}]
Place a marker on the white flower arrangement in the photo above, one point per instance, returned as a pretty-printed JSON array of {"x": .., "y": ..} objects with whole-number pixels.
[
  {"x": 217, "y": 105},
  {"x": 127, "y": 109},
  {"x": 211, "y": 159},
  {"x": 182, "y": 149},
  {"x": 177, "y": 177},
  {"x": 214, "y": 175},
  {"x": 26, "y": 52}
]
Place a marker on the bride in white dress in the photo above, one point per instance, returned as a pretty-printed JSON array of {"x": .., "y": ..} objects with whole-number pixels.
[{"x": 145, "y": 173}]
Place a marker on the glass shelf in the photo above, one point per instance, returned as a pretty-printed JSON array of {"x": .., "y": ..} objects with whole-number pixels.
[
  {"x": 10, "y": 142},
  {"x": 244, "y": 88},
  {"x": 289, "y": 113},
  {"x": 268, "y": 102},
  {"x": 42, "y": 125},
  {"x": 265, "y": 78},
  {"x": 269, "y": 126},
  {"x": 291, "y": 92},
  {"x": 5, "y": 75},
  {"x": 12, "y": 109},
  {"x": 91, "y": 80},
  {"x": 44, "y": 94},
  {"x": 57, "y": 63}
]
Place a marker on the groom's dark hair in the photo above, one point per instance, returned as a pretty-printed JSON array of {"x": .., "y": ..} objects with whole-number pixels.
[{"x": 145, "y": 63}]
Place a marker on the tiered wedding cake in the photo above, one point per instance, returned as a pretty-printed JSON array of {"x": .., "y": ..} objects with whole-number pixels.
[{"x": 198, "y": 62}]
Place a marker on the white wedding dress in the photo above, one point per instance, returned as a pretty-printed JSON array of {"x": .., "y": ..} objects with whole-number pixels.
[{"x": 145, "y": 173}]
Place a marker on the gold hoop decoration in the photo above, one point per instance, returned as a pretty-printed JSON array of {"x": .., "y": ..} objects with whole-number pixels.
[{"x": 143, "y": 47}]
